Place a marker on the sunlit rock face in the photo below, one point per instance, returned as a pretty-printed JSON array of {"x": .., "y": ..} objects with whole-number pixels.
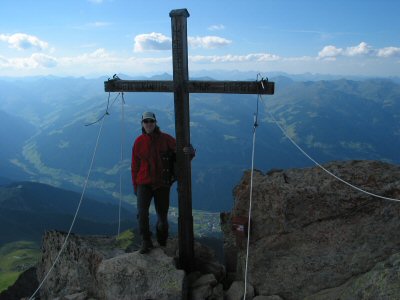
[{"x": 314, "y": 237}]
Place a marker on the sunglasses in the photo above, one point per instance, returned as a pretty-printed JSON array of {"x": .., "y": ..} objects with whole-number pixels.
[{"x": 148, "y": 121}]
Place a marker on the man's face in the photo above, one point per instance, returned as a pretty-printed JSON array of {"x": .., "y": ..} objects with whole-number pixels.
[{"x": 149, "y": 125}]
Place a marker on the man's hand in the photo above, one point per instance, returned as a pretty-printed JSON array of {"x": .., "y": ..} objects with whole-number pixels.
[{"x": 189, "y": 150}]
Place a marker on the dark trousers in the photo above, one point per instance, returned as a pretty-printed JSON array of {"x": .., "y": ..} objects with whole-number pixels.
[{"x": 161, "y": 202}]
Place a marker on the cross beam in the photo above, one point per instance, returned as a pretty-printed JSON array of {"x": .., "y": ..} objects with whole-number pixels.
[
  {"x": 192, "y": 86},
  {"x": 181, "y": 86}
]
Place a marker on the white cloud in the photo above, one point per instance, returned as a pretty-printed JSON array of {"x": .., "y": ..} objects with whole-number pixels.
[
  {"x": 42, "y": 60},
  {"x": 263, "y": 57},
  {"x": 22, "y": 41},
  {"x": 330, "y": 52},
  {"x": 208, "y": 42},
  {"x": 216, "y": 27},
  {"x": 35, "y": 61},
  {"x": 258, "y": 57},
  {"x": 361, "y": 49},
  {"x": 353, "y": 60},
  {"x": 389, "y": 52},
  {"x": 157, "y": 41},
  {"x": 152, "y": 42}
]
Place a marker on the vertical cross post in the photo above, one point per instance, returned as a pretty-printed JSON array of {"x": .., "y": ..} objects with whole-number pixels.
[
  {"x": 181, "y": 86},
  {"x": 182, "y": 130}
]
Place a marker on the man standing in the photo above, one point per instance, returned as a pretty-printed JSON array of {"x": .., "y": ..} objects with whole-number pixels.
[{"x": 151, "y": 155}]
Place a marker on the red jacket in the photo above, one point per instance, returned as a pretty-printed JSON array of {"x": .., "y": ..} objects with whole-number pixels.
[{"x": 146, "y": 165}]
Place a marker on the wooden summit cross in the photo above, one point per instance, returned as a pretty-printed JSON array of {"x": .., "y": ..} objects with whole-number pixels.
[{"x": 181, "y": 86}]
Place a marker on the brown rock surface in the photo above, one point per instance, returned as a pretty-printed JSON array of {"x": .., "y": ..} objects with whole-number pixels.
[{"x": 311, "y": 232}]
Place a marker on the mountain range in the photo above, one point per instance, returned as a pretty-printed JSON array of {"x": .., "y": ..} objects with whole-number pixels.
[
  {"x": 27, "y": 209},
  {"x": 42, "y": 126}
]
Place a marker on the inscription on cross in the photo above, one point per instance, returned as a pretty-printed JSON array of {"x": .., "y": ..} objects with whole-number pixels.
[{"x": 181, "y": 86}]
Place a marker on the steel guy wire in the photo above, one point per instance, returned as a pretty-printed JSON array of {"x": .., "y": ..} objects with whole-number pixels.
[{"x": 76, "y": 212}]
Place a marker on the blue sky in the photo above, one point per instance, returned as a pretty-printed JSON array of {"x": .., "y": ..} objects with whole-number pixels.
[{"x": 103, "y": 37}]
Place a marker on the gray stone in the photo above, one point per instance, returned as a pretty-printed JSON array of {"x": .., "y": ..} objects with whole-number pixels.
[
  {"x": 214, "y": 267},
  {"x": 315, "y": 233},
  {"x": 192, "y": 277},
  {"x": 136, "y": 276},
  {"x": 218, "y": 292},
  {"x": 206, "y": 287},
  {"x": 76, "y": 266},
  {"x": 273, "y": 297},
  {"x": 94, "y": 267},
  {"x": 236, "y": 291},
  {"x": 201, "y": 292},
  {"x": 312, "y": 238},
  {"x": 77, "y": 296},
  {"x": 208, "y": 279},
  {"x": 381, "y": 282}
]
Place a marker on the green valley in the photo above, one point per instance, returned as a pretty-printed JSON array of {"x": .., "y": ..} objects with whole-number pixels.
[{"x": 15, "y": 258}]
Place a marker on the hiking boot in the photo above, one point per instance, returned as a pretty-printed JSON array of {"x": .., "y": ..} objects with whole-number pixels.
[{"x": 146, "y": 246}]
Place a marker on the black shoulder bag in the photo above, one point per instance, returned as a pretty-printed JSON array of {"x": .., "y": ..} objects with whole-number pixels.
[{"x": 169, "y": 167}]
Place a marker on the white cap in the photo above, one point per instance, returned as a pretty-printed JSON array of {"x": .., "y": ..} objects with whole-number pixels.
[{"x": 148, "y": 115}]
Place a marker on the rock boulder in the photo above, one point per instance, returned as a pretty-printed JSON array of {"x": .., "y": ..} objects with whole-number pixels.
[
  {"x": 314, "y": 237},
  {"x": 95, "y": 268}
]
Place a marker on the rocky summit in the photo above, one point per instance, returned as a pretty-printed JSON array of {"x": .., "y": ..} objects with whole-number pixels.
[
  {"x": 96, "y": 267},
  {"x": 314, "y": 237}
]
